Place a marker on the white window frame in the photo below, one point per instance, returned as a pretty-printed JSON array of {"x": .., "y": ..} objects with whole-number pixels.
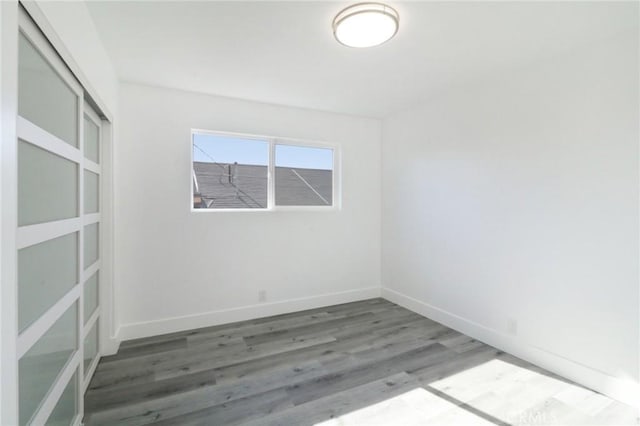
[{"x": 272, "y": 141}]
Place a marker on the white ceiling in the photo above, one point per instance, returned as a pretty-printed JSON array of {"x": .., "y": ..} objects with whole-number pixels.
[{"x": 284, "y": 52}]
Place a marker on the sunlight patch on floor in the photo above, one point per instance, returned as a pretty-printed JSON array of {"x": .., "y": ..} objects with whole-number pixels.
[
  {"x": 414, "y": 408},
  {"x": 495, "y": 392}
]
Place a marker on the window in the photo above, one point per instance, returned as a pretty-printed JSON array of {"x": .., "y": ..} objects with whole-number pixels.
[
  {"x": 304, "y": 176},
  {"x": 247, "y": 172},
  {"x": 230, "y": 172}
]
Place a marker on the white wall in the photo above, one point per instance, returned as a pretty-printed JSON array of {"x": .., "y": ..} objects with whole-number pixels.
[
  {"x": 517, "y": 199},
  {"x": 177, "y": 269}
]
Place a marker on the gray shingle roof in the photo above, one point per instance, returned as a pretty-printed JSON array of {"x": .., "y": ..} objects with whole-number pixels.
[
  {"x": 223, "y": 185},
  {"x": 303, "y": 187}
]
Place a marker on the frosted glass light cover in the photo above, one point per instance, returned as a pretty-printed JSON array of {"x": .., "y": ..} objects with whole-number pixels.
[
  {"x": 91, "y": 192},
  {"x": 41, "y": 365},
  {"x": 46, "y": 272},
  {"x": 43, "y": 97},
  {"x": 91, "y": 245},
  {"x": 47, "y": 186},
  {"x": 365, "y": 24}
]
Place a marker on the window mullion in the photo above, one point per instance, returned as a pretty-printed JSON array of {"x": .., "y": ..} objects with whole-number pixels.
[{"x": 271, "y": 175}]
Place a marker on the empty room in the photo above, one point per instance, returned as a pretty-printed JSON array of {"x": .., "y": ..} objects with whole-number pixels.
[{"x": 319, "y": 213}]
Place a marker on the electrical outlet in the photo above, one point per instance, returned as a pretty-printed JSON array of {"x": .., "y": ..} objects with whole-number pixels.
[
  {"x": 512, "y": 326},
  {"x": 262, "y": 296}
]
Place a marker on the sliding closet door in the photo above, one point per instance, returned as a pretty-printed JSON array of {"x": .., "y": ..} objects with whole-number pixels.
[
  {"x": 91, "y": 253},
  {"x": 57, "y": 236}
]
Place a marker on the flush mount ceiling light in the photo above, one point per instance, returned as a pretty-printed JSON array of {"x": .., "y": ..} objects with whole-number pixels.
[{"x": 365, "y": 24}]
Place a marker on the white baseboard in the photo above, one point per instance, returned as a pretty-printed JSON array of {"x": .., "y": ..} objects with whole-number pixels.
[
  {"x": 622, "y": 390},
  {"x": 207, "y": 319},
  {"x": 110, "y": 346}
]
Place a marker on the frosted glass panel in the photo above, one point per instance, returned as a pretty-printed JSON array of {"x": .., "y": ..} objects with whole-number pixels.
[
  {"x": 91, "y": 141},
  {"x": 90, "y": 347},
  {"x": 66, "y": 409},
  {"x": 91, "y": 192},
  {"x": 90, "y": 245},
  {"x": 46, "y": 272},
  {"x": 43, "y": 97},
  {"x": 90, "y": 296},
  {"x": 47, "y": 186},
  {"x": 41, "y": 365}
]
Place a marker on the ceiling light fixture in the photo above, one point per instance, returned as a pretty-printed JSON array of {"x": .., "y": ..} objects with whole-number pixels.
[{"x": 365, "y": 24}]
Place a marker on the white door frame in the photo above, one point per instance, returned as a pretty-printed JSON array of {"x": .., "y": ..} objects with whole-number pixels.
[{"x": 8, "y": 216}]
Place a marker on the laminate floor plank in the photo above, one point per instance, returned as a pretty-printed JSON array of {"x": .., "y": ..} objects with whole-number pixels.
[
  {"x": 335, "y": 327},
  {"x": 242, "y": 355},
  {"x": 150, "y": 349},
  {"x": 141, "y": 369},
  {"x": 349, "y": 308},
  {"x": 173, "y": 405},
  {"x": 339, "y": 403},
  {"x": 114, "y": 396},
  {"x": 140, "y": 359},
  {"x": 364, "y": 363},
  {"x": 234, "y": 412},
  {"x": 352, "y": 372},
  {"x": 323, "y": 353}
]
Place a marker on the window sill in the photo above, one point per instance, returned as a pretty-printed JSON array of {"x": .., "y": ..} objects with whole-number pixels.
[{"x": 276, "y": 209}]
